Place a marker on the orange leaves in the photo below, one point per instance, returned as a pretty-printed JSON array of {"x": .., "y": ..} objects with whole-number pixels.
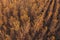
[
  {"x": 6, "y": 10},
  {"x": 16, "y": 25},
  {"x": 11, "y": 5},
  {"x": 28, "y": 19},
  {"x": 14, "y": 22},
  {"x": 15, "y": 12},
  {"x": 12, "y": 19},
  {"x": 8, "y": 37}
]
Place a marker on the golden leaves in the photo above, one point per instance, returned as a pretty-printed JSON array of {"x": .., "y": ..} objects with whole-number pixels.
[
  {"x": 8, "y": 37},
  {"x": 53, "y": 38},
  {"x": 15, "y": 19},
  {"x": 16, "y": 25}
]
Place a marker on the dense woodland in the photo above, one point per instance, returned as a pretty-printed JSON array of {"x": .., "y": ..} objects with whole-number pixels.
[{"x": 29, "y": 19}]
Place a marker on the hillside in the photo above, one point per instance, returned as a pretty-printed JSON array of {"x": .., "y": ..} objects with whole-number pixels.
[{"x": 29, "y": 19}]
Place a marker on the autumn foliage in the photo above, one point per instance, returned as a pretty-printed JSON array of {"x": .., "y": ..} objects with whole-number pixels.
[{"x": 29, "y": 19}]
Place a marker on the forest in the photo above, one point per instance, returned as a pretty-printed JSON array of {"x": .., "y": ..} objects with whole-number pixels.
[{"x": 29, "y": 19}]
